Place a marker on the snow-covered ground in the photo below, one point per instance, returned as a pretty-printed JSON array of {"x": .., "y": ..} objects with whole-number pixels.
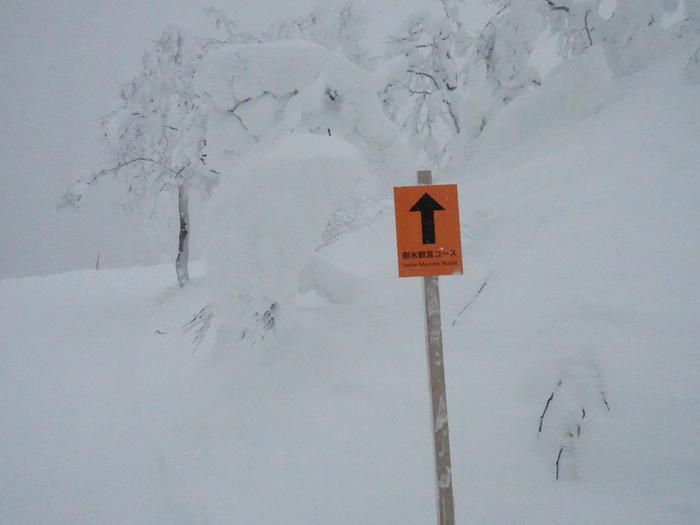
[{"x": 579, "y": 210}]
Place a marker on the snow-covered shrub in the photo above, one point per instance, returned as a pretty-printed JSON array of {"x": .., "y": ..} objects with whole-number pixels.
[
  {"x": 267, "y": 218},
  {"x": 500, "y": 56}
]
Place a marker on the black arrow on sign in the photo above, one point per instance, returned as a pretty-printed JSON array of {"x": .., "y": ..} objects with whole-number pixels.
[{"x": 427, "y": 206}]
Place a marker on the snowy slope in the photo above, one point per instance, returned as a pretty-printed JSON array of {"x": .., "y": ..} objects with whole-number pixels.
[
  {"x": 582, "y": 224},
  {"x": 84, "y": 379},
  {"x": 586, "y": 234}
]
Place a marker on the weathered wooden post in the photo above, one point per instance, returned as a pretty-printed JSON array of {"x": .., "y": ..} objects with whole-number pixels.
[{"x": 428, "y": 247}]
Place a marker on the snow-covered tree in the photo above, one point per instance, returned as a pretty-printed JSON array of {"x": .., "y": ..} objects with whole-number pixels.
[
  {"x": 632, "y": 33},
  {"x": 336, "y": 25},
  {"x": 423, "y": 95},
  {"x": 498, "y": 68},
  {"x": 156, "y": 136},
  {"x": 287, "y": 119},
  {"x": 247, "y": 80},
  {"x": 636, "y": 33},
  {"x": 229, "y": 30},
  {"x": 341, "y": 101},
  {"x": 246, "y": 87}
]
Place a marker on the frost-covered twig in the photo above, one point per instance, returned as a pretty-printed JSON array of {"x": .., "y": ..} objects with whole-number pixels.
[{"x": 73, "y": 196}]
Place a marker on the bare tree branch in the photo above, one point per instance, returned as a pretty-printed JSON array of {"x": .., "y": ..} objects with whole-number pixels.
[
  {"x": 558, "y": 459},
  {"x": 588, "y": 29},
  {"x": 455, "y": 122},
  {"x": 469, "y": 303},
  {"x": 114, "y": 169},
  {"x": 423, "y": 74},
  {"x": 546, "y": 406},
  {"x": 200, "y": 324}
]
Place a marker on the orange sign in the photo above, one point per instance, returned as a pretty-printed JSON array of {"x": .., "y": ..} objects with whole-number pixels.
[{"x": 427, "y": 230}]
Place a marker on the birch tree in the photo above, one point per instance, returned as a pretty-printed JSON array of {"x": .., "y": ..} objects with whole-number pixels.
[{"x": 155, "y": 138}]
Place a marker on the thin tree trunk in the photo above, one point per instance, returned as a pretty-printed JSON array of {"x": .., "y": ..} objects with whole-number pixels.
[{"x": 183, "y": 250}]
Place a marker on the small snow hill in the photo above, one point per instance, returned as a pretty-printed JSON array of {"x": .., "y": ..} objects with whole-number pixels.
[{"x": 571, "y": 349}]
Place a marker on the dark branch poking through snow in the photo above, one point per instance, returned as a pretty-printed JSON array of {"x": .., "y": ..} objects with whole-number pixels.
[
  {"x": 546, "y": 406},
  {"x": 200, "y": 324},
  {"x": 469, "y": 303},
  {"x": 557, "y": 462}
]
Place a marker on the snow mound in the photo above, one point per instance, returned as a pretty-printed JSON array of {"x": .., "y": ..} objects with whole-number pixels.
[
  {"x": 329, "y": 280},
  {"x": 269, "y": 216}
]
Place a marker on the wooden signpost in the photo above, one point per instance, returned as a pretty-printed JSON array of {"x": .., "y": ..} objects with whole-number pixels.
[{"x": 428, "y": 245}]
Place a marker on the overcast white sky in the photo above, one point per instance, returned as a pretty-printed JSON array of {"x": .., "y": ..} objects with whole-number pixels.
[{"x": 61, "y": 64}]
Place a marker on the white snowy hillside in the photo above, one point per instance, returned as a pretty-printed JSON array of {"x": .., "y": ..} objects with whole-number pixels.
[{"x": 285, "y": 383}]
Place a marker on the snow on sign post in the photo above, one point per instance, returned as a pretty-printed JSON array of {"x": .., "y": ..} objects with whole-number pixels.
[{"x": 428, "y": 244}]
